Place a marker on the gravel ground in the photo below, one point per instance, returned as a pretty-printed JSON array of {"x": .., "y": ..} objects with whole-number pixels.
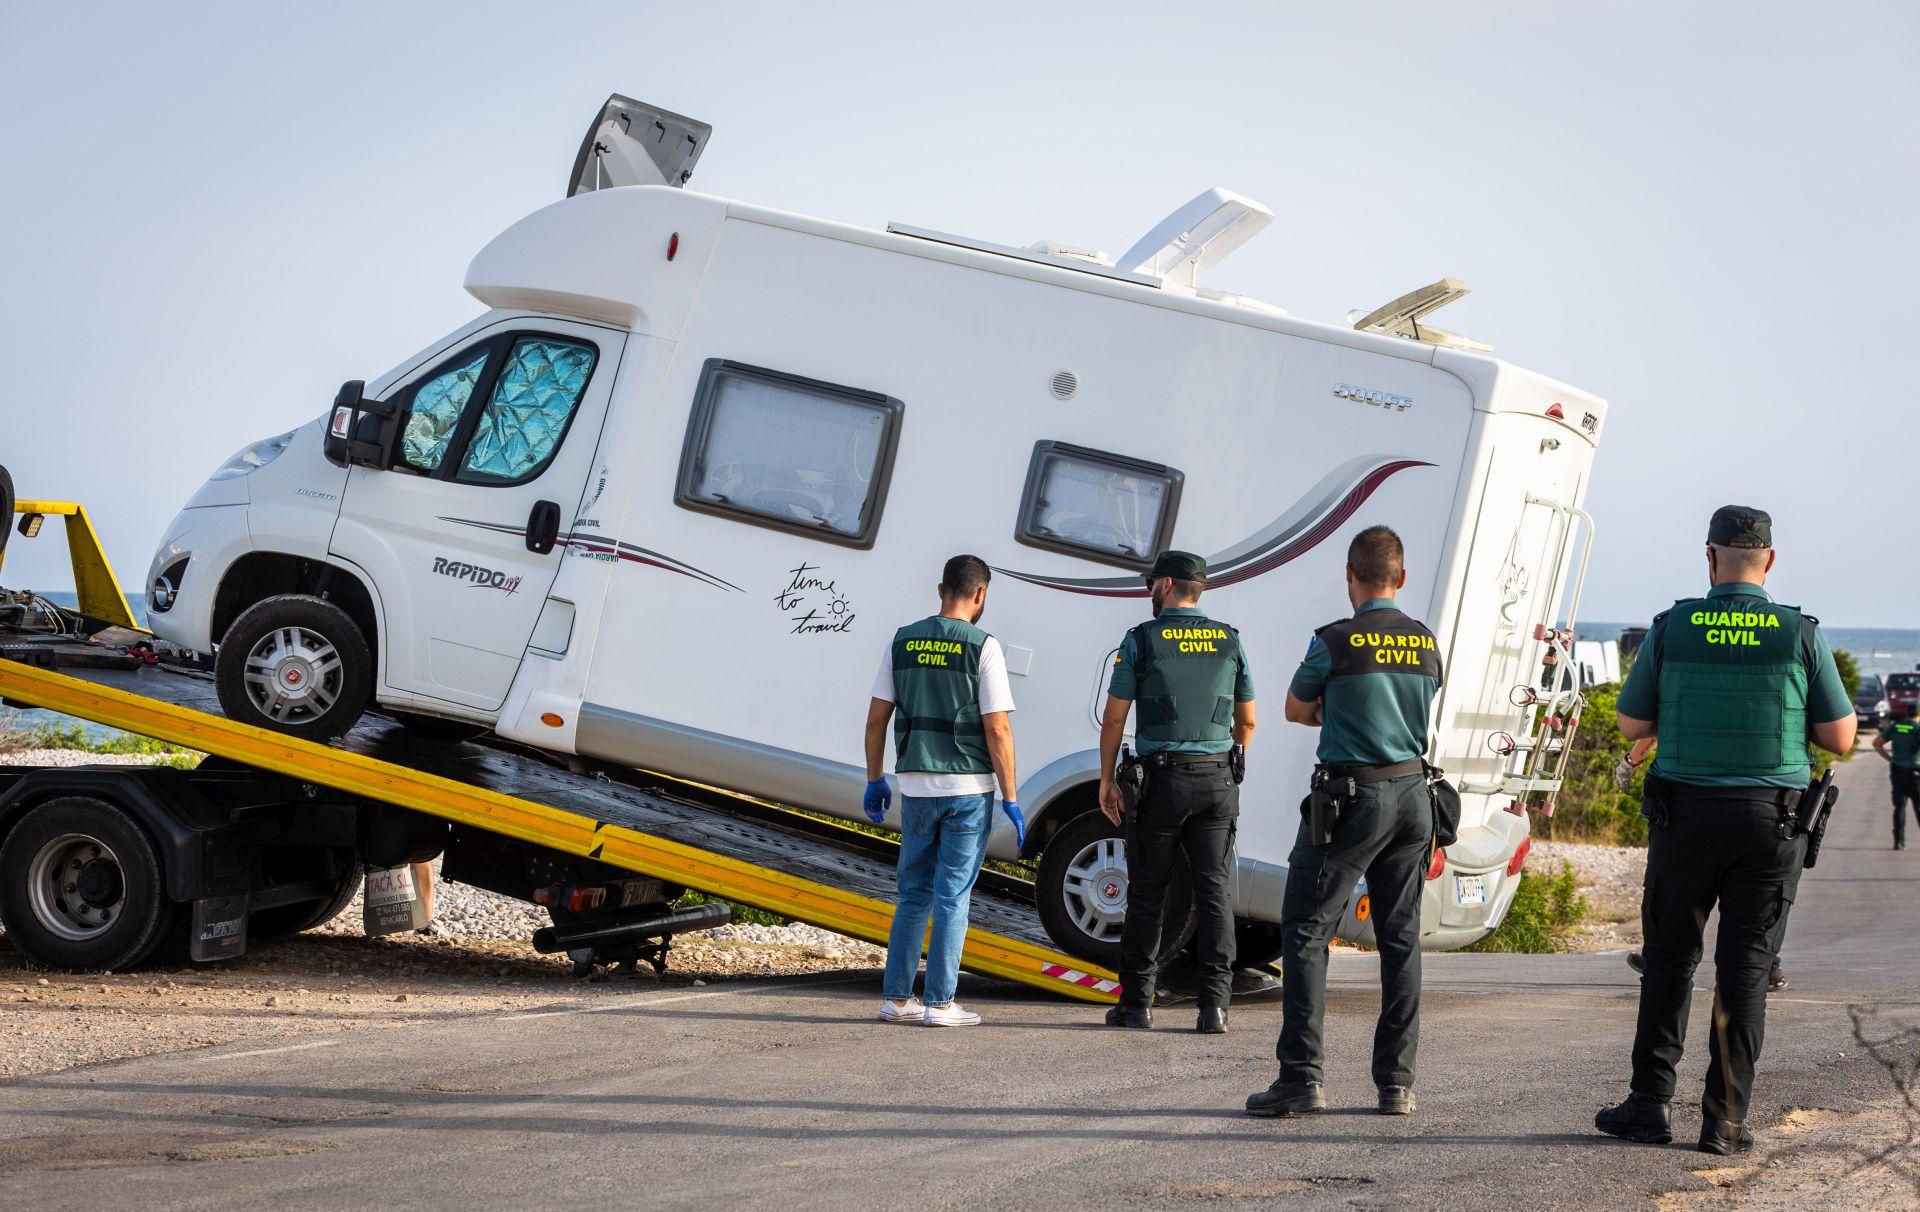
[
  {"x": 74, "y": 757},
  {"x": 1611, "y": 877},
  {"x": 476, "y": 958}
]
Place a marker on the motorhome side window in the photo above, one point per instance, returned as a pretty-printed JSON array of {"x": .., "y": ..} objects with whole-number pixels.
[
  {"x": 791, "y": 453},
  {"x": 497, "y": 413},
  {"x": 1098, "y": 506}
]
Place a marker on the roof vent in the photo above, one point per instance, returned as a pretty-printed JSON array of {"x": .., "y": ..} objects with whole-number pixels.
[
  {"x": 1065, "y": 383},
  {"x": 1196, "y": 237}
]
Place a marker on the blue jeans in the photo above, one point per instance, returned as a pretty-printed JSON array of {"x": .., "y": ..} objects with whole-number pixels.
[{"x": 944, "y": 843}]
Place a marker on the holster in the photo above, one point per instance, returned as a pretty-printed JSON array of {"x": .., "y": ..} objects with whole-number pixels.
[
  {"x": 1131, "y": 776},
  {"x": 1653, "y": 801},
  {"x": 1813, "y": 812},
  {"x": 1237, "y": 764},
  {"x": 1327, "y": 799}
]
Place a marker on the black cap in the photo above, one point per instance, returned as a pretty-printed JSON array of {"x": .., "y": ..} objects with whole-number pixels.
[
  {"x": 1740, "y": 526},
  {"x": 1180, "y": 565}
]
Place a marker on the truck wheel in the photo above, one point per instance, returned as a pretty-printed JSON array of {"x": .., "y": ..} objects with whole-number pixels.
[
  {"x": 296, "y": 664},
  {"x": 81, "y": 887},
  {"x": 1255, "y": 944},
  {"x": 1082, "y": 892},
  {"x": 282, "y": 920}
]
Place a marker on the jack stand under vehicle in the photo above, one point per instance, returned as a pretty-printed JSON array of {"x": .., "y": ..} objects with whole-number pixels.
[{"x": 623, "y": 961}]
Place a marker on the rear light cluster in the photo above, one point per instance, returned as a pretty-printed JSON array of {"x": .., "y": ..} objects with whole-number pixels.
[
  {"x": 1438, "y": 864},
  {"x": 1519, "y": 858}
]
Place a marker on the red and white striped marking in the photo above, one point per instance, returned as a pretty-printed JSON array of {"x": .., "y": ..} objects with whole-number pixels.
[{"x": 1085, "y": 980}]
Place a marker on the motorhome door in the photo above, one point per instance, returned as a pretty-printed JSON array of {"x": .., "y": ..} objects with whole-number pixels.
[{"x": 462, "y": 535}]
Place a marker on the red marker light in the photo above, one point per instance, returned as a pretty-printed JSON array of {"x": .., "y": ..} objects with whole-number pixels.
[
  {"x": 1439, "y": 863},
  {"x": 1556, "y": 412},
  {"x": 1519, "y": 858},
  {"x": 673, "y": 245}
]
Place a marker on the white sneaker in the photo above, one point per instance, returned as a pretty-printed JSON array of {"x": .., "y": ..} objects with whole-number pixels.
[
  {"x": 912, "y": 1012},
  {"x": 953, "y": 1014}
]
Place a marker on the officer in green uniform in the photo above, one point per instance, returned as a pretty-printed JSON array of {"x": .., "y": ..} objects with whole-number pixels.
[
  {"x": 1368, "y": 682},
  {"x": 1188, "y": 677},
  {"x": 1734, "y": 685},
  {"x": 1899, "y": 743}
]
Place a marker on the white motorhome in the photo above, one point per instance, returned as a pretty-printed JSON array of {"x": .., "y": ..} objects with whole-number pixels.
[{"x": 664, "y": 501}]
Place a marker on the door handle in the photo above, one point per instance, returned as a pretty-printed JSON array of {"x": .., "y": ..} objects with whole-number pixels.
[{"x": 543, "y": 527}]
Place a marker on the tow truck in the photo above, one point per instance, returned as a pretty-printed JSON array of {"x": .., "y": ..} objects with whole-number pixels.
[{"x": 108, "y": 867}]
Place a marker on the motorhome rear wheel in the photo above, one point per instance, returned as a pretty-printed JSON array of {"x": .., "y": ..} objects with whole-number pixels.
[
  {"x": 1081, "y": 892},
  {"x": 296, "y": 664},
  {"x": 81, "y": 887}
]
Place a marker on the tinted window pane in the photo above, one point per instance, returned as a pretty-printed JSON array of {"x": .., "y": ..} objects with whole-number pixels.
[
  {"x": 527, "y": 415},
  {"x": 1088, "y": 503},
  {"x": 436, "y": 413},
  {"x": 795, "y": 453}
]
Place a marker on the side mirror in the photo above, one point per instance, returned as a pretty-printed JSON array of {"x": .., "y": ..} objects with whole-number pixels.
[{"x": 360, "y": 432}]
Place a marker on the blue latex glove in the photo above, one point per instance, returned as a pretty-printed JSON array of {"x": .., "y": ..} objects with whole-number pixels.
[
  {"x": 1012, "y": 809},
  {"x": 879, "y": 797}
]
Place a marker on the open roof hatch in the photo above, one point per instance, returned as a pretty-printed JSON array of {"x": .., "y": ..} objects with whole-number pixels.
[
  {"x": 632, "y": 143},
  {"x": 1198, "y": 236},
  {"x": 1401, "y": 318}
]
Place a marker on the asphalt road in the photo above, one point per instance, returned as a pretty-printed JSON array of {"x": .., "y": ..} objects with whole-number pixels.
[{"x": 788, "y": 1095}]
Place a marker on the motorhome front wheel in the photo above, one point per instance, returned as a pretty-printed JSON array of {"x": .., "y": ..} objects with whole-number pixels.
[
  {"x": 1082, "y": 892},
  {"x": 296, "y": 664}
]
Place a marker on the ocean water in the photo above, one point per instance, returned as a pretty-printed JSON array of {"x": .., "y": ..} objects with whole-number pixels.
[{"x": 137, "y": 602}]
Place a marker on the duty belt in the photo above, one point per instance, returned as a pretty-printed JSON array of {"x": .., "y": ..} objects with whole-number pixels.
[
  {"x": 1374, "y": 774},
  {"x": 1156, "y": 761}
]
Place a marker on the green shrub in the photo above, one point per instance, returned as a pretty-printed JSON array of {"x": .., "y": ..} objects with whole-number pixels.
[
  {"x": 743, "y": 915},
  {"x": 1546, "y": 911}
]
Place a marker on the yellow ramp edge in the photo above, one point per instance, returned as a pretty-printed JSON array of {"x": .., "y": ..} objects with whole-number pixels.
[{"x": 715, "y": 874}]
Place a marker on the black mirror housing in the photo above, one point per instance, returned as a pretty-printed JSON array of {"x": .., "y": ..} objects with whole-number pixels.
[{"x": 360, "y": 432}]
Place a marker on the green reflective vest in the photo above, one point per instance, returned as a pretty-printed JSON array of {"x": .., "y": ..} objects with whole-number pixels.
[
  {"x": 1185, "y": 667},
  {"x": 936, "y": 695},
  {"x": 1733, "y": 690}
]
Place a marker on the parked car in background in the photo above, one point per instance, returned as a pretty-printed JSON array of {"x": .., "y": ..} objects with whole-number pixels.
[
  {"x": 1902, "y": 690},
  {"x": 1870, "y": 701}
]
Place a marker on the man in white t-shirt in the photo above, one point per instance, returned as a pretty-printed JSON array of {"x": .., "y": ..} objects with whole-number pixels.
[{"x": 943, "y": 687}]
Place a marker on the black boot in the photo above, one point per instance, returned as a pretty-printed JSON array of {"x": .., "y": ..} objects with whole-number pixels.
[
  {"x": 1212, "y": 1020},
  {"x": 1724, "y": 1136},
  {"x": 1642, "y": 1119},
  {"x": 1396, "y": 1100},
  {"x": 1285, "y": 1099},
  {"x": 1129, "y": 1016}
]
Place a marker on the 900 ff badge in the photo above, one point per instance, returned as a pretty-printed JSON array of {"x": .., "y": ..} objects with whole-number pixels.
[{"x": 1373, "y": 396}]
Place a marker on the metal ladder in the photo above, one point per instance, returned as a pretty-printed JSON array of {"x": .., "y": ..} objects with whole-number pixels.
[{"x": 1537, "y": 760}]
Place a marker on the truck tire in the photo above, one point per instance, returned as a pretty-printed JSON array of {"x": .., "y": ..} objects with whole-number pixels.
[
  {"x": 283, "y": 920},
  {"x": 1082, "y": 892},
  {"x": 81, "y": 887},
  {"x": 295, "y": 664}
]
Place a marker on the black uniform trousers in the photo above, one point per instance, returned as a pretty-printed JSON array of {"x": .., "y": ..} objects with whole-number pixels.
[
  {"x": 1906, "y": 794},
  {"x": 1193, "y": 808},
  {"x": 1386, "y": 835},
  {"x": 1719, "y": 846}
]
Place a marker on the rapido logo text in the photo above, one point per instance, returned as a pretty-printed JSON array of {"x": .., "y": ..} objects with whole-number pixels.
[{"x": 473, "y": 574}]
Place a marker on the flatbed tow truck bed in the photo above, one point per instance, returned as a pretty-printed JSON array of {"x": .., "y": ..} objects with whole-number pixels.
[{"x": 798, "y": 870}]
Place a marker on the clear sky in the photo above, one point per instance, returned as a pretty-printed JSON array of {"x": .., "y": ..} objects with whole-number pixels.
[{"x": 211, "y": 215}]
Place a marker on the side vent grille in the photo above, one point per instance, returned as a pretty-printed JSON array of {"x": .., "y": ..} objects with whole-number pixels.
[{"x": 1065, "y": 384}]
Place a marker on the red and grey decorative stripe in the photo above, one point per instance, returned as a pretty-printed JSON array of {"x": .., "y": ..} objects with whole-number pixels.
[
  {"x": 1317, "y": 514},
  {"x": 1086, "y": 980},
  {"x": 595, "y": 545}
]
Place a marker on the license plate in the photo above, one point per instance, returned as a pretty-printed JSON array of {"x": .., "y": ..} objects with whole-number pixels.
[{"x": 1472, "y": 889}]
